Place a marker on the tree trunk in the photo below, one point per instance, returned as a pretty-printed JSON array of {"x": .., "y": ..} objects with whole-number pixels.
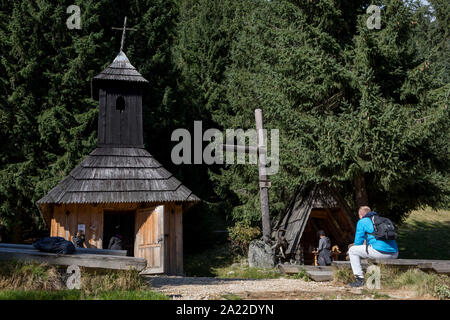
[
  {"x": 17, "y": 233},
  {"x": 360, "y": 190}
]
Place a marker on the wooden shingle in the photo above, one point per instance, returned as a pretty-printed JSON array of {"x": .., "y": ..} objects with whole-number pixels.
[
  {"x": 121, "y": 69},
  {"x": 111, "y": 175}
]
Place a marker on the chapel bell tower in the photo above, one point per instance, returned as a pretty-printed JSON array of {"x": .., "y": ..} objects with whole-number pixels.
[{"x": 119, "y": 89}]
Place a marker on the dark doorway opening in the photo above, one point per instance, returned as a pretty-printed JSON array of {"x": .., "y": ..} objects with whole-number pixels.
[
  {"x": 328, "y": 220},
  {"x": 125, "y": 221}
]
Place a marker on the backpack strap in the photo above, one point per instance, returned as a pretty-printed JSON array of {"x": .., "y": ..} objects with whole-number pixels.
[{"x": 367, "y": 242}]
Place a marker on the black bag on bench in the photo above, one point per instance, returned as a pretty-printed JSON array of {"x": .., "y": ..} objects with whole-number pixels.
[{"x": 54, "y": 245}]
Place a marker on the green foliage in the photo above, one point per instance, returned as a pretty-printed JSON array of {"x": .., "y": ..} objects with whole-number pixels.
[
  {"x": 40, "y": 295},
  {"x": 302, "y": 275},
  {"x": 78, "y": 295},
  {"x": 350, "y": 103},
  {"x": 48, "y": 122},
  {"x": 111, "y": 280},
  {"x": 206, "y": 262},
  {"x": 33, "y": 281},
  {"x": 241, "y": 234},
  {"x": 375, "y": 294},
  {"x": 129, "y": 295},
  {"x": 442, "y": 292},
  {"x": 423, "y": 283},
  {"x": 343, "y": 275},
  {"x": 29, "y": 276},
  {"x": 231, "y": 297}
]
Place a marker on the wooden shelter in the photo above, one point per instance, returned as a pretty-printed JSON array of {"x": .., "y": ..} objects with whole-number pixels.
[
  {"x": 120, "y": 184},
  {"x": 315, "y": 208}
]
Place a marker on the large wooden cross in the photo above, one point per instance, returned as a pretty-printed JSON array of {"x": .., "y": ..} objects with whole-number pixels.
[
  {"x": 124, "y": 28},
  {"x": 264, "y": 182}
]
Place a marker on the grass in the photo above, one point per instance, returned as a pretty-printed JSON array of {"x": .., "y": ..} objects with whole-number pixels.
[
  {"x": 343, "y": 275},
  {"x": 32, "y": 281},
  {"x": 425, "y": 235},
  {"x": 375, "y": 294},
  {"x": 79, "y": 295},
  {"x": 423, "y": 283},
  {"x": 207, "y": 263},
  {"x": 29, "y": 276},
  {"x": 301, "y": 275},
  {"x": 130, "y": 295},
  {"x": 231, "y": 296},
  {"x": 39, "y": 295},
  {"x": 220, "y": 262},
  {"x": 243, "y": 271}
]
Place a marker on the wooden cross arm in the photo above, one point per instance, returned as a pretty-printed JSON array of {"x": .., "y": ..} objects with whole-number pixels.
[
  {"x": 130, "y": 29},
  {"x": 243, "y": 148}
]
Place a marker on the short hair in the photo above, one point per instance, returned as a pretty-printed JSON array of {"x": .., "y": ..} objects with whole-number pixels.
[
  {"x": 320, "y": 233},
  {"x": 363, "y": 210}
]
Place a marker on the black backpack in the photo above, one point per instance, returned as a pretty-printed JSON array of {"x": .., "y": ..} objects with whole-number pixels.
[{"x": 383, "y": 228}]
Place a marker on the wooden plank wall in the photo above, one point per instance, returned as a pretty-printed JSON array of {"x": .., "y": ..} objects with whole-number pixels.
[
  {"x": 89, "y": 215},
  {"x": 173, "y": 225},
  {"x": 92, "y": 217}
]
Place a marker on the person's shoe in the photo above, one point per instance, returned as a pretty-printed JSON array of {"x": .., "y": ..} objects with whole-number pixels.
[{"x": 359, "y": 282}]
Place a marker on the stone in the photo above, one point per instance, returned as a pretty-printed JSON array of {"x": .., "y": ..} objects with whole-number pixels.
[{"x": 260, "y": 255}]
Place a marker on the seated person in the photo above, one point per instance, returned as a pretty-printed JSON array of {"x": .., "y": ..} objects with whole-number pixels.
[
  {"x": 374, "y": 249},
  {"x": 115, "y": 243},
  {"x": 79, "y": 240}
]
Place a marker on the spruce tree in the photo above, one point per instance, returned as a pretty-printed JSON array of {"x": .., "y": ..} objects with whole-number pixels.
[{"x": 355, "y": 110}]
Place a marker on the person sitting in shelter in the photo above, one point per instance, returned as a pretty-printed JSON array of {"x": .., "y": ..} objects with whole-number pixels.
[
  {"x": 79, "y": 240},
  {"x": 374, "y": 248},
  {"x": 324, "y": 249},
  {"x": 115, "y": 243}
]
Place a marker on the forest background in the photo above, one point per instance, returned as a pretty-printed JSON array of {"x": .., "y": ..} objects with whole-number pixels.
[{"x": 363, "y": 111}]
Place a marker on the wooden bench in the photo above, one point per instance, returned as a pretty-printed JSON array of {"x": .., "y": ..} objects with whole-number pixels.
[
  {"x": 438, "y": 266},
  {"x": 78, "y": 250},
  {"x": 81, "y": 259}
]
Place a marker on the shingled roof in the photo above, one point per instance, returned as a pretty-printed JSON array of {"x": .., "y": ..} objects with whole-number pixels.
[
  {"x": 112, "y": 175},
  {"x": 121, "y": 69}
]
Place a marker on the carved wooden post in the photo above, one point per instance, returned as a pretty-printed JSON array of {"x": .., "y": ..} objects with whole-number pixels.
[{"x": 264, "y": 183}]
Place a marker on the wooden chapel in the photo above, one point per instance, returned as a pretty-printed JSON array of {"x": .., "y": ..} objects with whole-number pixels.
[{"x": 120, "y": 184}]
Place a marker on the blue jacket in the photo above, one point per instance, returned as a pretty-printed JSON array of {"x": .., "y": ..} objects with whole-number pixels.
[{"x": 364, "y": 226}]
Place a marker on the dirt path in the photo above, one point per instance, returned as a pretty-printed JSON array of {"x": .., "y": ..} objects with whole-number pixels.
[{"x": 189, "y": 288}]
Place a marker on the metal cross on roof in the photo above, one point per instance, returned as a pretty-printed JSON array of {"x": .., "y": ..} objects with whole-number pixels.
[{"x": 124, "y": 28}]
